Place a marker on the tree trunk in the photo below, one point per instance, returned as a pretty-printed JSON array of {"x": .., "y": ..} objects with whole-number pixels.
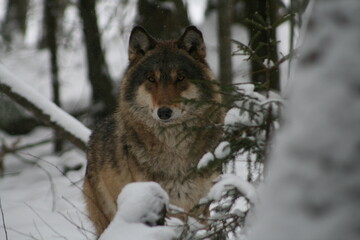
[
  {"x": 15, "y": 19},
  {"x": 267, "y": 10},
  {"x": 163, "y": 18},
  {"x": 224, "y": 37},
  {"x": 50, "y": 18},
  {"x": 61, "y": 6},
  {"x": 98, "y": 74},
  {"x": 312, "y": 189}
]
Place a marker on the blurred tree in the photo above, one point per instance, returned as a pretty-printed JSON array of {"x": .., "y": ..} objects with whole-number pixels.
[
  {"x": 224, "y": 38},
  {"x": 15, "y": 20},
  {"x": 98, "y": 74},
  {"x": 59, "y": 7},
  {"x": 163, "y": 18},
  {"x": 51, "y": 11},
  {"x": 260, "y": 18}
]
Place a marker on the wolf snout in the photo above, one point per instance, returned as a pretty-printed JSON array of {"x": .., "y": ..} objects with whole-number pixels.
[{"x": 164, "y": 113}]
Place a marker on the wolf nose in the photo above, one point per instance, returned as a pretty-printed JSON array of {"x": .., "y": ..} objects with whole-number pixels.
[{"x": 164, "y": 113}]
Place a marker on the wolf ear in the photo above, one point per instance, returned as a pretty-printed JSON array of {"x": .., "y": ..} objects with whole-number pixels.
[
  {"x": 139, "y": 43},
  {"x": 192, "y": 41}
]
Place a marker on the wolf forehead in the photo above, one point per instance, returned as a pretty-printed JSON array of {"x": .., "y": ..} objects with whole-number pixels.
[
  {"x": 165, "y": 67},
  {"x": 165, "y": 60}
]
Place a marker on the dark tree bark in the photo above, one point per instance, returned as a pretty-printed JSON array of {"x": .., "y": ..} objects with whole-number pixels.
[
  {"x": 15, "y": 19},
  {"x": 163, "y": 18},
  {"x": 98, "y": 74},
  {"x": 60, "y": 6},
  {"x": 224, "y": 37},
  {"x": 267, "y": 10},
  {"x": 51, "y": 24}
]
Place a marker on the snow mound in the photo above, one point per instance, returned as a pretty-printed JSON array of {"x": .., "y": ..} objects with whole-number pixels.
[
  {"x": 140, "y": 205},
  {"x": 150, "y": 201}
]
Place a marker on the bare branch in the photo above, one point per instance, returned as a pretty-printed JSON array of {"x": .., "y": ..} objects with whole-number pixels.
[{"x": 3, "y": 219}]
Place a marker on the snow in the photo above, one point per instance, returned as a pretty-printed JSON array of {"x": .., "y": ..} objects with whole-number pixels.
[
  {"x": 147, "y": 211},
  {"x": 222, "y": 150},
  {"x": 38, "y": 201},
  {"x": 139, "y": 204},
  {"x": 227, "y": 181},
  {"x": 56, "y": 114},
  {"x": 196, "y": 11},
  {"x": 205, "y": 160},
  {"x": 137, "y": 231},
  {"x": 311, "y": 191}
]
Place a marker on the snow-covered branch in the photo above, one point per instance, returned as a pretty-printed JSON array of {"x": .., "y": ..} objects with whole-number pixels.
[{"x": 43, "y": 109}]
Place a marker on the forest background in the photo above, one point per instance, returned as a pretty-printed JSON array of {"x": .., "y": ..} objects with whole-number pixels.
[{"x": 75, "y": 52}]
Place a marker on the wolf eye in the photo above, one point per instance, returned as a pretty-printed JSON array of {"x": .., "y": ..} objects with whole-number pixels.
[
  {"x": 180, "y": 78},
  {"x": 151, "y": 79}
]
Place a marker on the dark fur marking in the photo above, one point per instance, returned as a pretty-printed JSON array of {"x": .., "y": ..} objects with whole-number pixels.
[{"x": 165, "y": 62}]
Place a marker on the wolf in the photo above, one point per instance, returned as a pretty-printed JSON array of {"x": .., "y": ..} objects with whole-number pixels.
[{"x": 167, "y": 91}]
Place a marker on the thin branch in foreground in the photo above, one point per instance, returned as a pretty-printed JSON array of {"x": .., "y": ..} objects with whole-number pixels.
[
  {"x": 38, "y": 231},
  {"x": 47, "y": 224},
  {"x": 81, "y": 228},
  {"x": 3, "y": 219},
  {"x": 52, "y": 185},
  {"x": 30, "y": 236}
]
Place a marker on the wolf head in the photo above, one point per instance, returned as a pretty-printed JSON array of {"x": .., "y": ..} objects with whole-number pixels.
[{"x": 163, "y": 75}]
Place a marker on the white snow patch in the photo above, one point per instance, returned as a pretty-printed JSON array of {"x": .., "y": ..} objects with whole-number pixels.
[
  {"x": 196, "y": 10},
  {"x": 205, "y": 160},
  {"x": 246, "y": 87},
  {"x": 139, "y": 203},
  {"x": 228, "y": 181},
  {"x": 222, "y": 150},
  {"x": 149, "y": 199}
]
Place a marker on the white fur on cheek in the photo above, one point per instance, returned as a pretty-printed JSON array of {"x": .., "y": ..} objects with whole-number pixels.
[
  {"x": 143, "y": 98},
  {"x": 190, "y": 93}
]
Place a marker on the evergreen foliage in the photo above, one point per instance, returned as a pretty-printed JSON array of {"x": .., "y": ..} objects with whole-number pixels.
[{"x": 253, "y": 115}]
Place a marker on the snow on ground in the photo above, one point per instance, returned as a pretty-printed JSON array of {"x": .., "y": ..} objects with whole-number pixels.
[{"x": 37, "y": 200}]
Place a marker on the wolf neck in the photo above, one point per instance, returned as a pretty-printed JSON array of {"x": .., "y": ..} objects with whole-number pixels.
[{"x": 159, "y": 149}]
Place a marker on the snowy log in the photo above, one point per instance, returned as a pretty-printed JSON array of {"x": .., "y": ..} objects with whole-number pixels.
[
  {"x": 312, "y": 189},
  {"x": 43, "y": 109}
]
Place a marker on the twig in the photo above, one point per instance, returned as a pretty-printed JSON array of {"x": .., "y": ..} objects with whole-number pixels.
[
  {"x": 47, "y": 224},
  {"x": 73, "y": 205},
  {"x": 37, "y": 229},
  {"x": 52, "y": 185},
  {"x": 72, "y": 182},
  {"x": 81, "y": 228},
  {"x": 13, "y": 148},
  {"x": 23, "y": 234},
  {"x": 82, "y": 213},
  {"x": 3, "y": 219}
]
